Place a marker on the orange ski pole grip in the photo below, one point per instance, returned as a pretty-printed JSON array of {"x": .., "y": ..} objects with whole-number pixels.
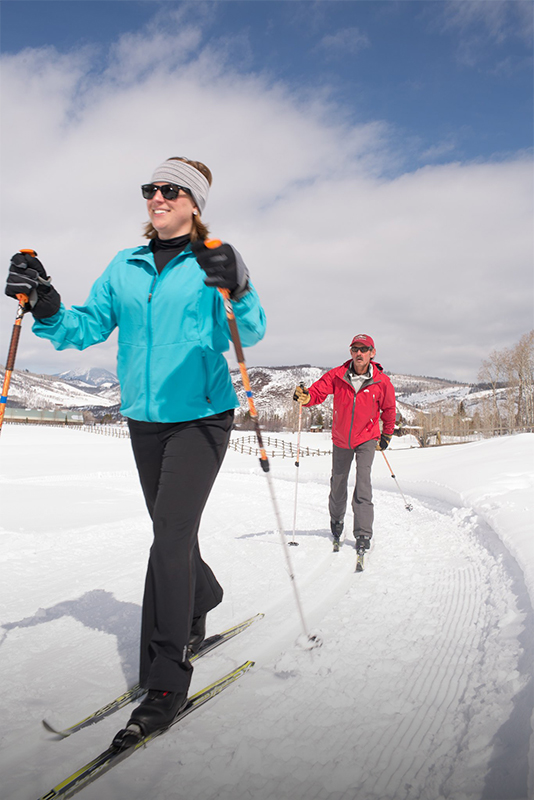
[{"x": 23, "y": 298}]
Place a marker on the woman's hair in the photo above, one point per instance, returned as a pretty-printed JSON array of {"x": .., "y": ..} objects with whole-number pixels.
[{"x": 198, "y": 229}]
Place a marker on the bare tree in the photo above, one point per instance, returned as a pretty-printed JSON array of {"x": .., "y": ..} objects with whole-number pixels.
[
  {"x": 491, "y": 372},
  {"x": 522, "y": 367},
  {"x": 510, "y": 375}
]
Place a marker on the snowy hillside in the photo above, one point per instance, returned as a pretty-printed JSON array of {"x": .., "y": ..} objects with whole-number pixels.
[
  {"x": 273, "y": 391},
  {"x": 272, "y": 387},
  {"x": 445, "y": 397},
  {"x": 412, "y": 384},
  {"x": 29, "y": 390},
  {"x": 422, "y": 689}
]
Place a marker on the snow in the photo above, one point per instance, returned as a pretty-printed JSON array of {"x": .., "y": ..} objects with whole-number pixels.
[
  {"x": 436, "y": 396},
  {"x": 422, "y": 688},
  {"x": 90, "y": 376},
  {"x": 29, "y": 390}
]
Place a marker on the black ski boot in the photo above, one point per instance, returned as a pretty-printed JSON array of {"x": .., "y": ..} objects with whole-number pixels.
[
  {"x": 156, "y": 712},
  {"x": 337, "y": 530},
  {"x": 363, "y": 543},
  {"x": 197, "y": 635}
]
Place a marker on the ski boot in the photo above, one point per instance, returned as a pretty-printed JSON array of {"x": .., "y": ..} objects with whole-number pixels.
[
  {"x": 337, "y": 530},
  {"x": 156, "y": 712},
  {"x": 363, "y": 543}
]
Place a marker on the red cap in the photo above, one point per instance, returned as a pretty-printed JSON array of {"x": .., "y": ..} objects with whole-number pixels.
[{"x": 362, "y": 338}]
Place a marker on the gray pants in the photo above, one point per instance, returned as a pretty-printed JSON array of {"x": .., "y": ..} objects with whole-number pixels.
[{"x": 362, "y": 499}]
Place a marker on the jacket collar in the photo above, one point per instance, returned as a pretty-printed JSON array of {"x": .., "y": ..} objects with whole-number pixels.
[
  {"x": 144, "y": 254},
  {"x": 376, "y": 371}
]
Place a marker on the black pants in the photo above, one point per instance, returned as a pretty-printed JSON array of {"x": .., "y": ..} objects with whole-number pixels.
[{"x": 177, "y": 465}]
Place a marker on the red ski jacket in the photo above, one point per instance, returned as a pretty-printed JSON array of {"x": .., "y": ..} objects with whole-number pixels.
[{"x": 356, "y": 416}]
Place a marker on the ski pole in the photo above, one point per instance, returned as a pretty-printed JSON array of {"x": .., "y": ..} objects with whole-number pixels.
[
  {"x": 264, "y": 461},
  {"x": 13, "y": 345},
  {"x": 293, "y": 543},
  {"x": 407, "y": 506}
]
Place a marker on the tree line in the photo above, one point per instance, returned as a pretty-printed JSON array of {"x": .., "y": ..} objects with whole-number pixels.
[
  {"x": 509, "y": 374},
  {"x": 506, "y": 383}
]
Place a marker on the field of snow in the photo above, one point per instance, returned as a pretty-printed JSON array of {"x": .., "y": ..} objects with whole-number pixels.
[{"x": 422, "y": 689}]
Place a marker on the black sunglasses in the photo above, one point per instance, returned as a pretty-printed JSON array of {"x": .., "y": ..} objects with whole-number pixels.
[
  {"x": 169, "y": 191},
  {"x": 360, "y": 348}
]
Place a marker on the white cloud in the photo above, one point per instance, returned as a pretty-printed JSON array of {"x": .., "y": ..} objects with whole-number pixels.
[
  {"x": 482, "y": 26},
  {"x": 437, "y": 151},
  {"x": 435, "y": 264},
  {"x": 348, "y": 40}
]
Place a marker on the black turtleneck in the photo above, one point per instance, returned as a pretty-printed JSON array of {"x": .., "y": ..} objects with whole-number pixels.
[{"x": 166, "y": 249}]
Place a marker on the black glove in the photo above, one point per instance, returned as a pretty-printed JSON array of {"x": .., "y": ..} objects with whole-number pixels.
[
  {"x": 224, "y": 267},
  {"x": 27, "y": 276},
  {"x": 302, "y": 395},
  {"x": 384, "y": 441}
]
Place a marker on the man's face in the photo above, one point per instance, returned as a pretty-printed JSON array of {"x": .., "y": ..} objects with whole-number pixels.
[{"x": 361, "y": 356}]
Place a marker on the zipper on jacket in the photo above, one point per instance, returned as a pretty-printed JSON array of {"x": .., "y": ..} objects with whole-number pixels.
[
  {"x": 352, "y": 417},
  {"x": 369, "y": 382},
  {"x": 353, "y": 404},
  {"x": 149, "y": 346}
]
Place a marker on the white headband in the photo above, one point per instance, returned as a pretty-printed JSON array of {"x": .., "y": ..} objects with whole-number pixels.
[{"x": 184, "y": 174}]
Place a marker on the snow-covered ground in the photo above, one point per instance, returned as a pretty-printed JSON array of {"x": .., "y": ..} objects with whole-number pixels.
[{"x": 422, "y": 688}]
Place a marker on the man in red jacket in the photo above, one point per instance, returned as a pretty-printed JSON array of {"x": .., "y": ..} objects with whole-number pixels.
[{"x": 362, "y": 394}]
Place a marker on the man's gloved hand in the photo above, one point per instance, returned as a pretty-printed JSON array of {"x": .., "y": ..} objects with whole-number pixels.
[
  {"x": 28, "y": 276},
  {"x": 385, "y": 439},
  {"x": 224, "y": 268},
  {"x": 302, "y": 395}
]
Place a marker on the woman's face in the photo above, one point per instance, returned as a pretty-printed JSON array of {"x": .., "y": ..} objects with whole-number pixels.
[{"x": 171, "y": 218}]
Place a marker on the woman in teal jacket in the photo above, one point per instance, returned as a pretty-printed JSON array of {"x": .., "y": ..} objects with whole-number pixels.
[{"x": 178, "y": 397}]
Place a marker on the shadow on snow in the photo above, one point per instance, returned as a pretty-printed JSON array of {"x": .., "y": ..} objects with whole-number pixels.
[{"x": 100, "y": 611}]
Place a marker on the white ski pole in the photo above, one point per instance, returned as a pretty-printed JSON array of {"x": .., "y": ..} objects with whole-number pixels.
[
  {"x": 264, "y": 461},
  {"x": 408, "y": 506},
  {"x": 293, "y": 543}
]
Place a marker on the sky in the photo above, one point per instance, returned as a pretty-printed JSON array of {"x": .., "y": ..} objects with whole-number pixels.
[{"x": 372, "y": 162}]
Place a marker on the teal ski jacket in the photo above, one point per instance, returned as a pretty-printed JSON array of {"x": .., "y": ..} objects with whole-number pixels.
[{"x": 172, "y": 334}]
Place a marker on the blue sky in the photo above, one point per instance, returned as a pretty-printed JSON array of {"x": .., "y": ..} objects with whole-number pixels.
[
  {"x": 415, "y": 118},
  {"x": 456, "y": 84}
]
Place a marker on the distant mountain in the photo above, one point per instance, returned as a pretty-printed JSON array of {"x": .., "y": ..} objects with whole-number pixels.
[
  {"x": 48, "y": 392},
  {"x": 94, "y": 376},
  {"x": 97, "y": 390}
]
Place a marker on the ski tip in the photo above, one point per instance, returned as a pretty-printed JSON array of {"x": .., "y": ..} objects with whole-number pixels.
[{"x": 50, "y": 728}]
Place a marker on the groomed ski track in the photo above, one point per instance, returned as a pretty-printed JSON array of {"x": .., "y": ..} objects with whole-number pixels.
[{"x": 419, "y": 691}]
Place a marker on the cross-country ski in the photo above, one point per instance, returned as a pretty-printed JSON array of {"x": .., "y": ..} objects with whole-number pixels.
[
  {"x": 111, "y": 757},
  {"x": 135, "y": 692}
]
